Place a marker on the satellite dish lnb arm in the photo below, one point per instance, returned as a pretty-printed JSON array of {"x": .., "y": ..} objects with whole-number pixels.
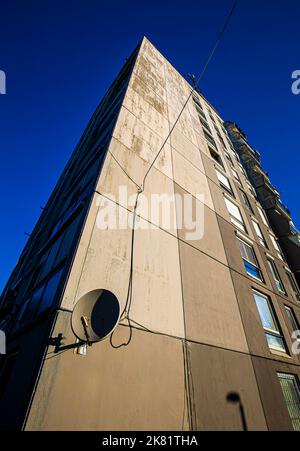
[{"x": 84, "y": 322}]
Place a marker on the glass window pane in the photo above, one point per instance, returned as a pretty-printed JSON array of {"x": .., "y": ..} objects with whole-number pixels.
[
  {"x": 23, "y": 309},
  {"x": 235, "y": 214},
  {"x": 68, "y": 238},
  {"x": 250, "y": 255},
  {"x": 51, "y": 258},
  {"x": 228, "y": 157},
  {"x": 259, "y": 233},
  {"x": 246, "y": 201},
  {"x": 224, "y": 180},
  {"x": 233, "y": 209},
  {"x": 292, "y": 281},
  {"x": 50, "y": 291},
  {"x": 292, "y": 318},
  {"x": 291, "y": 393},
  {"x": 252, "y": 270},
  {"x": 32, "y": 306},
  {"x": 263, "y": 216},
  {"x": 265, "y": 313},
  {"x": 275, "y": 342},
  {"x": 238, "y": 224},
  {"x": 243, "y": 250},
  {"x": 274, "y": 243},
  {"x": 235, "y": 174},
  {"x": 257, "y": 229},
  {"x": 276, "y": 277}
]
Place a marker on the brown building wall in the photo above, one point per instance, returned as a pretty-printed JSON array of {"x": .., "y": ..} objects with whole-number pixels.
[
  {"x": 140, "y": 386},
  {"x": 276, "y": 412},
  {"x": 216, "y": 373}
]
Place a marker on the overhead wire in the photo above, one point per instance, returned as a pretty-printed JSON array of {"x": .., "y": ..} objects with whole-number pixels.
[
  {"x": 194, "y": 88},
  {"x": 140, "y": 189}
]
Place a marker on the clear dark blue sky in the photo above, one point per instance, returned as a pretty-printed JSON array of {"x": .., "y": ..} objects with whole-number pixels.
[{"x": 60, "y": 57}]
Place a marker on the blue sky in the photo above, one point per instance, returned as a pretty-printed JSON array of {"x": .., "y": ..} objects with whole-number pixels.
[{"x": 60, "y": 57}]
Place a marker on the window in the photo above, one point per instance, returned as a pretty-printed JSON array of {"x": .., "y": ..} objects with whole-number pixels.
[
  {"x": 28, "y": 310},
  {"x": 235, "y": 214},
  {"x": 292, "y": 318},
  {"x": 214, "y": 154},
  {"x": 61, "y": 247},
  {"x": 51, "y": 260},
  {"x": 276, "y": 276},
  {"x": 196, "y": 100},
  {"x": 34, "y": 277},
  {"x": 49, "y": 294},
  {"x": 263, "y": 216},
  {"x": 236, "y": 176},
  {"x": 243, "y": 170},
  {"x": 276, "y": 246},
  {"x": 201, "y": 113},
  {"x": 220, "y": 137},
  {"x": 237, "y": 156},
  {"x": 292, "y": 282},
  {"x": 259, "y": 233},
  {"x": 67, "y": 239},
  {"x": 222, "y": 141},
  {"x": 22, "y": 310},
  {"x": 204, "y": 124},
  {"x": 224, "y": 181},
  {"x": 291, "y": 393},
  {"x": 75, "y": 204},
  {"x": 246, "y": 201},
  {"x": 209, "y": 138},
  {"x": 251, "y": 189},
  {"x": 269, "y": 322},
  {"x": 212, "y": 118},
  {"x": 250, "y": 260},
  {"x": 228, "y": 158},
  {"x": 40, "y": 299}
]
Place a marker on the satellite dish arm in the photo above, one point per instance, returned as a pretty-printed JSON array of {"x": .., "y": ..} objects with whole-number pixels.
[{"x": 84, "y": 322}]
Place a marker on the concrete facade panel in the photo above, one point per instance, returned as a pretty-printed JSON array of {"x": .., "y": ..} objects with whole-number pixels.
[
  {"x": 145, "y": 112},
  {"x": 191, "y": 179},
  {"x": 218, "y": 200},
  {"x": 138, "y": 87},
  {"x": 187, "y": 149},
  {"x": 210, "y": 308},
  {"x": 112, "y": 389},
  {"x": 157, "y": 294},
  {"x": 274, "y": 405},
  {"x": 137, "y": 136},
  {"x": 215, "y": 374},
  {"x": 210, "y": 242},
  {"x": 183, "y": 123}
]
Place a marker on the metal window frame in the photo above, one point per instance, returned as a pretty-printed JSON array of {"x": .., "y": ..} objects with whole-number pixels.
[{"x": 276, "y": 333}]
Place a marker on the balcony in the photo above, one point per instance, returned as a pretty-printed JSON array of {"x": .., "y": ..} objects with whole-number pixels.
[
  {"x": 239, "y": 139},
  {"x": 274, "y": 203},
  {"x": 284, "y": 209},
  {"x": 290, "y": 245},
  {"x": 267, "y": 193},
  {"x": 294, "y": 229},
  {"x": 278, "y": 214}
]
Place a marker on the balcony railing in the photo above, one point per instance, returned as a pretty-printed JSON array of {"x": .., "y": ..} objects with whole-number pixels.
[
  {"x": 294, "y": 229},
  {"x": 284, "y": 208},
  {"x": 239, "y": 138}
]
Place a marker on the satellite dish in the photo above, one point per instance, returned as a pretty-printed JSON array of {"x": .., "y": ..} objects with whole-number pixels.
[{"x": 95, "y": 316}]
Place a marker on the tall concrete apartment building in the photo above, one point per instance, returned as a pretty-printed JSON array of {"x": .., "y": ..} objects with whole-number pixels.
[{"x": 212, "y": 319}]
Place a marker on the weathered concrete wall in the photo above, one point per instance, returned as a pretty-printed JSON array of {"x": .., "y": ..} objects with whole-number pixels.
[{"x": 112, "y": 389}]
